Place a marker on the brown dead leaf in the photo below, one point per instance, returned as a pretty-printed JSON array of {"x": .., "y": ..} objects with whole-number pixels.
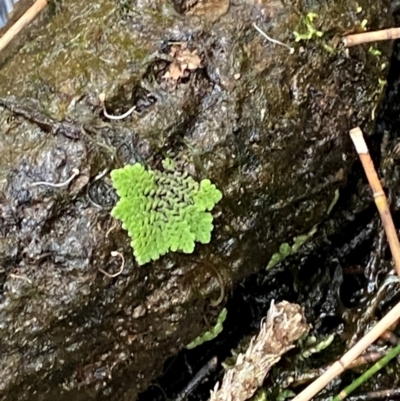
[
  {"x": 284, "y": 325},
  {"x": 185, "y": 60}
]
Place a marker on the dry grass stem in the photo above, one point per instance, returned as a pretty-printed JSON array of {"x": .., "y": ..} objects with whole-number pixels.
[
  {"x": 367, "y": 37},
  {"x": 391, "y": 318},
  {"x": 284, "y": 324},
  {"x": 379, "y": 196},
  {"x": 26, "y": 18},
  {"x": 343, "y": 363},
  {"x": 366, "y": 358}
]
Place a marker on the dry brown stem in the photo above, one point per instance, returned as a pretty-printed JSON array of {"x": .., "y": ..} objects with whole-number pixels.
[
  {"x": 366, "y": 358},
  {"x": 379, "y": 196},
  {"x": 26, "y": 18},
  {"x": 285, "y": 323},
  {"x": 367, "y": 37},
  {"x": 343, "y": 363},
  {"x": 384, "y": 324}
]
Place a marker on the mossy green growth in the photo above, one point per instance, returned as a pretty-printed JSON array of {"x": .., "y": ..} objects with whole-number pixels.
[
  {"x": 311, "y": 31},
  {"x": 312, "y": 346},
  {"x": 260, "y": 395},
  {"x": 284, "y": 394},
  {"x": 163, "y": 211},
  {"x": 211, "y": 334},
  {"x": 286, "y": 249}
]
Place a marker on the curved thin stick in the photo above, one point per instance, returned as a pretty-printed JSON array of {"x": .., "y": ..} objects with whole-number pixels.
[
  {"x": 102, "y": 98},
  {"x": 220, "y": 280},
  {"x": 115, "y": 253},
  {"x": 75, "y": 172},
  {"x": 113, "y": 227},
  {"x": 277, "y": 42},
  {"x": 88, "y": 188}
]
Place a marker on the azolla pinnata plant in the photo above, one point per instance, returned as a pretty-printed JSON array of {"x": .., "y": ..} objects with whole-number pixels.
[{"x": 163, "y": 211}]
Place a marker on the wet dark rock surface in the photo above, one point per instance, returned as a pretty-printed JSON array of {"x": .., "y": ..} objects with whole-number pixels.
[
  {"x": 341, "y": 275},
  {"x": 270, "y": 129}
]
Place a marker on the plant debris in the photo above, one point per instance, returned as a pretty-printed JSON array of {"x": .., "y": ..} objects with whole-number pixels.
[
  {"x": 285, "y": 324},
  {"x": 185, "y": 61}
]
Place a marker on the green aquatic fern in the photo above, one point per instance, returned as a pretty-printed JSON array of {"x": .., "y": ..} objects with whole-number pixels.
[
  {"x": 163, "y": 211},
  {"x": 211, "y": 334}
]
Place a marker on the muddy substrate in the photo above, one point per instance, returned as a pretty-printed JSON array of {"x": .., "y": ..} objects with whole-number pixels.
[{"x": 335, "y": 276}]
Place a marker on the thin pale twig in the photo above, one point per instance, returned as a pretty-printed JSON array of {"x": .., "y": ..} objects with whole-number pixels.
[
  {"x": 75, "y": 172},
  {"x": 367, "y": 37},
  {"x": 278, "y": 42},
  {"x": 26, "y": 18},
  {"x": 343, "y": 363},
  {"x": 115, "y": 253},
  {"x": 113, "y": 227},
  {"x": 368, "y": 374},
  {"x": 379, "y": 195},
  {"x": 390, "y": 318},
  {"x": 19, "y": 277},
  {"x": 389, "y": 394},
  {"x": 102, "y": 98},
  {"x": 304, "y": 378}
]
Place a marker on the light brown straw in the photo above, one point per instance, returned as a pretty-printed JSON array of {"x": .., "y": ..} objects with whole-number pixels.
[
  {"x": 367, "y": 37},
  {"x": 26, "y": 18},
  {"x": 383, "y": 325},
  {"x": 342, "y": 364},
  {"x": 379, "y": 196}
]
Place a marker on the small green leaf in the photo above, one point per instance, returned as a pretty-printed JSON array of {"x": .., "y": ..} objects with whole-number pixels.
[
  {"x": 285, "y": 250},
  {"x": 210, "y": 335}
]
